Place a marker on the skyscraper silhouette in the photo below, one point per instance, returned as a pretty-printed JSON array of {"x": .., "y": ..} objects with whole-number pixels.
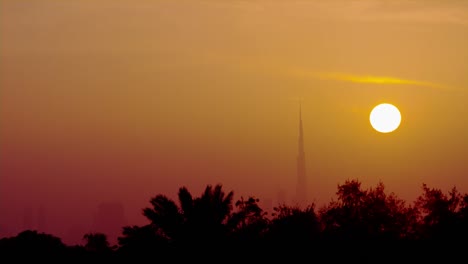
[
  {"x": 41, "y": 219},
  {"x": 301, "y": 188},
  {"x": 109, "y": 219}
]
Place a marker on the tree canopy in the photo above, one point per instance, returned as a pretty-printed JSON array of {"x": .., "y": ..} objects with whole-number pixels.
[{"x": 213, "y": 222}]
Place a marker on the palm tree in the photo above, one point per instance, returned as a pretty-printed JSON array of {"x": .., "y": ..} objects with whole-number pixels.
[
  {"x": 204, "y": 217},
  {"x": 165, "y": 216}
]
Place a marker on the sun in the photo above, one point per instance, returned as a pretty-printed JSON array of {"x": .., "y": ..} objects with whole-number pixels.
[{"x": 385, "y": 118}]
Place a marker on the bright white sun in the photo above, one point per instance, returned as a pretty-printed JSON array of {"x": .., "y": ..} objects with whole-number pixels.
[{"x": 385, "y": 118}]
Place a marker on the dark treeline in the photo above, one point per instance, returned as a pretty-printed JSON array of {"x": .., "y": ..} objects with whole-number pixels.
[{"x": 361, "y": 226}]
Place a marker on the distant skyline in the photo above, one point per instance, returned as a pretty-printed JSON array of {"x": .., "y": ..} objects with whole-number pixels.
[
  {"x": 109, "y": 100},
  {"x": 301, "y": 188}
]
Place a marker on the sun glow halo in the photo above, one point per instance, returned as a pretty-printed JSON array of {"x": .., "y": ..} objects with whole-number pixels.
[{"x": 385, "y": 118}]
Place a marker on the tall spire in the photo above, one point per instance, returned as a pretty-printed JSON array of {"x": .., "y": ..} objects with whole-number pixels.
[
  {"x": 301, "y": 132},
  {"x": 301, "y": 189}
]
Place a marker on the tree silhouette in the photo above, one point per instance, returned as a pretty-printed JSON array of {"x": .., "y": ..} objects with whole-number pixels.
[
  {"x": 197, "y": 222},
  {"x": 97, "y": 243},
  {"x": 463, "y": 216},
  {"x": 367, "y": 214},
  {"x": 30, "y": 243},
  {"x": 292, "y": 225},
  {"x": 210, "y": 213},
  {"x": 343, "y": 218},
  {"x": 440, "y": 214},
  {"x": 165, "y": 216},
  {"x": 142, "y": 241},
  {"x": 248, "y": 223},
  {"x": 361, "y": 225}
]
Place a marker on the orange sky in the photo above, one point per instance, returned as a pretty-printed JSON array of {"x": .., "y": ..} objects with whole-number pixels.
[{"x": 113, "y": 100}]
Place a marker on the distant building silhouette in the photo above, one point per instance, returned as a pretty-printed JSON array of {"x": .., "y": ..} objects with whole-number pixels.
[
  {"x": 109, "y": 219},
  {"x": 74, "y": 235},
  {"x": 281, "y": 197},
  {"x": 267, "y": 205},
  {"x": 41, "y": 219},
  {"x": 34, "y": 219},
  {"x": 28, "y": 218},
  {"x": 301, "y": 188}
]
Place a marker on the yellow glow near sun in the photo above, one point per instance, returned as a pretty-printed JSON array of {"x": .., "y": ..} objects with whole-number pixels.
[{"x": 385, "y": 118}]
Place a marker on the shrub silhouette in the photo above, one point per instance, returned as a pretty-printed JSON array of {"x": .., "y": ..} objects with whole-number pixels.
[
  {"x": 361, "y": 226},
  {"x": 30, "y": 243}
]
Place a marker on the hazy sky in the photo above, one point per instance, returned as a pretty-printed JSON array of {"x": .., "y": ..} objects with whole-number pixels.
[{"x": 120, "y": 100}]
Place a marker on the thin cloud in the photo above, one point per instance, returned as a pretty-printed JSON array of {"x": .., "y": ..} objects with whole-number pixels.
[
  {"x": 455, "y": 13},
  {"x": 370, "y": 79},
  {"x": 366, "y": 79}
]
